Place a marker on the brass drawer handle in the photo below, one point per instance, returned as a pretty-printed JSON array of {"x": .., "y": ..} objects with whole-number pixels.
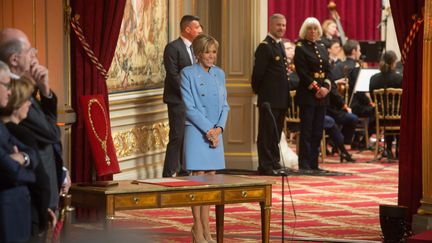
[
  {"x": 136, "y": 200},
  {"x": 244, "y": 194},
  {"x": 192, "y": 197}
]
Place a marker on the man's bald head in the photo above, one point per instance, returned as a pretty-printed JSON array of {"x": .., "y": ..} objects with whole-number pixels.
[
  {"x": 9, "y": 34},
  {"x": 16, "y": 51}
]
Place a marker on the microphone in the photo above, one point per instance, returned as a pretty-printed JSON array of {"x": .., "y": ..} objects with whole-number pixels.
[{"x": 266, "y": 106}]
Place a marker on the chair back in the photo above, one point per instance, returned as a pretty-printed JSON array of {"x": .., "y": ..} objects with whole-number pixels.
[
  {"x": 293, "y": 112},
  {"x": 388, "y": 104}
]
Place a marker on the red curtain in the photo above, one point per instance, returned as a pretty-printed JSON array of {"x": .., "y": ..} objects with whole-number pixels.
[
  {"x": 100, "y": 21},
  {"x": 359, "y": 19},
  {"x": 410, "y": 156}
]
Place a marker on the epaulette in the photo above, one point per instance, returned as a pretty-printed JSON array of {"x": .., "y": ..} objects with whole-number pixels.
[
  {"x": 264, "y": 42},
  {"x": 299, "y": 43}
]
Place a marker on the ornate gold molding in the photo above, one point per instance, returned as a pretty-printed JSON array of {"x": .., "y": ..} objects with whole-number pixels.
[{"x": 141, "y": 140}]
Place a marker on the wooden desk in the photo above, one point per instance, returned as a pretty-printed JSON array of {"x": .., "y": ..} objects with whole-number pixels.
[{"x": 219, "y": 190}]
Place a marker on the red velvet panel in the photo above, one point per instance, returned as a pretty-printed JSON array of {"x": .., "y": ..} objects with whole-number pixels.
[
  {"x": 100, "y": 21},
  {"x": 410, "y": 154},
  {"x": 359, "y": 19},
  {"x": 97, "y": 126}
]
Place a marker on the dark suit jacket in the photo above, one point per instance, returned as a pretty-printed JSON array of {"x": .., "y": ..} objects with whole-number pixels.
[
  {"x": 336, "y": 104},
  {"x": 269, "y": 77},
  {"x": 40, "y": 191},
  {"x": 176, "y": 57},
  {"x": 348, "y": 68},
  {"x": 389, "y": 80},
  {"x": 41, "y": 121},
  {"x": 15, "y": 219}
]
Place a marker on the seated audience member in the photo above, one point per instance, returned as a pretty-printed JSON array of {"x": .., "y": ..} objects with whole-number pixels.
[
  {"x": 330, "y": 32},
  {"x": 342, "y": 114},
  {"x": 361, "y": 103},
  {"x": 11, "y": 116},
  {"x": 293, "y": 78},
  {"x": 335, "y": 52},
  {"x": 41, "y": 121},
  {"x": 386, "y": 78},
  {"x": 337, "y": 138},
  {"x": 16, "y": 172}
]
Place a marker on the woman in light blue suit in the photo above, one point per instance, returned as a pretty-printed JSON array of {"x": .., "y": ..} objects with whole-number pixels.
[{"x": 205, "y": 98}]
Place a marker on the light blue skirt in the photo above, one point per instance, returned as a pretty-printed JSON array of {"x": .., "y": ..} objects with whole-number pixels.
[{"x": 198, "y": 155}]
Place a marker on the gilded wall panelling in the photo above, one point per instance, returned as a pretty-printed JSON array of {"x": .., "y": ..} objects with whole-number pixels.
[{"x": 141, "y": 139}]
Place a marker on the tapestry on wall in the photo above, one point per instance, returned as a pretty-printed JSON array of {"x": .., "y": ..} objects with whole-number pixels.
[{"x": 138, "y": 59}]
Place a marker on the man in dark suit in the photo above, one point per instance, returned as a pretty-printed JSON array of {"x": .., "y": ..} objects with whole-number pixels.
[
  {"x": 177, "y": 55},
  {"x": 16, "y": 171},
  {"x": 270, "y": 83},
  {"x": 17, "y": 52}
]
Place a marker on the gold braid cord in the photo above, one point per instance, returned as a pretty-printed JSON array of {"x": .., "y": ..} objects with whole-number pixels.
[
  {"x": 102, "y": 141},
  {"x": 80, "y": 34},
  {"x": 411, "y": 36}
]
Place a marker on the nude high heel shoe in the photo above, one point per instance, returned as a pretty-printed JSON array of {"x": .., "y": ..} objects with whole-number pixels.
[{"x": 194, "y": 237}]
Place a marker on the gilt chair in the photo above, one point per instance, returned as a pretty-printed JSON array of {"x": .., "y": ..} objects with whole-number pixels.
[{"x": 387, "y": 114}]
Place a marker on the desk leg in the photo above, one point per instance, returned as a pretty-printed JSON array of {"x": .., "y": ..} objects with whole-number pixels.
[
  {"x": 220, "y": 222},
  {"x": 109, "y": 213},
  {"x": 265, "y": 215}
]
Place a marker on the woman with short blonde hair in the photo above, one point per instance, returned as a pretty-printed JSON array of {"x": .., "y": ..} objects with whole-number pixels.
[
  {"x": 205, "y": 98},
  {"x": 22, "y": 89}
]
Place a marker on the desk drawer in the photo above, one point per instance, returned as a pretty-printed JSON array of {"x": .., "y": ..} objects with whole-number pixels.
[
  {"x": 130, "y": 201},
  {"x": 243, "y": 194},
  {"x": 190, "y": 198}
]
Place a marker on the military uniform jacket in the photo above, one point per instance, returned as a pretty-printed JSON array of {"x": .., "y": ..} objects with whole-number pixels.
[
  {"x": 269, "y": 76},
  {"x": 312, "y": 64}
]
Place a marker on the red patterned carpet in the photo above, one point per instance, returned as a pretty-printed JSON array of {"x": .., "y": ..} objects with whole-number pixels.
[{"x": 327, "y": 207}]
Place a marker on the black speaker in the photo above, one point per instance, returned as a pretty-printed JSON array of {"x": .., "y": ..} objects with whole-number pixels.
[
  {"x": 393, "y": 223},
  {"x": 371, "y": 50}
]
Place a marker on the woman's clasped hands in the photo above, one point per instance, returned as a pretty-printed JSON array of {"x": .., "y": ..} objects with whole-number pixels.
[{"x": 213, "y": 136}]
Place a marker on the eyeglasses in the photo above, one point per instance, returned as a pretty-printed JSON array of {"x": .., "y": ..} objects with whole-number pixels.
[{"x": 7, "y": 86}]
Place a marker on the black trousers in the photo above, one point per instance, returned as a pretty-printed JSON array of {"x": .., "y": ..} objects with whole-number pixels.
[
  {"x": 174, "y": 152},
  {"x": 268, "y": 140},
  {"x": 311, "y": 130}
]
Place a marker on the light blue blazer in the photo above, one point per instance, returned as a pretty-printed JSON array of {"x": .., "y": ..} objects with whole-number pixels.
[{"x": 205, "y": 98}]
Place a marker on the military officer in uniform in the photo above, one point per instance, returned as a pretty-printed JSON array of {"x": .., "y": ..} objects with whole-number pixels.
[
  {"x": 312, "y": 66},
  {"x": 270, "y": 83}
]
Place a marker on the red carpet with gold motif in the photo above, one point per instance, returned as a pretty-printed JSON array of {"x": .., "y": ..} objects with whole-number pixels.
[{"x": 317, "y": 208}]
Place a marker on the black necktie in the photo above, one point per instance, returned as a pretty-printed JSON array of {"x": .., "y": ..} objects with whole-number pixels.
[{"x": 193, "y": 55}]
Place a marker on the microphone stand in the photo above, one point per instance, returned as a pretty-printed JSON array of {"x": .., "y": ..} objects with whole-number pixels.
[{"x": 282, "y": 172}]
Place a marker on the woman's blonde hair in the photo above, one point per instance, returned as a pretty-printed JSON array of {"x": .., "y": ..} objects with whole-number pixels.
[
  {"x": 202, "y": 43},
  {"x": 326, "y": 24},
  {"x": 21, "y": 91},
  {"x": 309, "y": 21}
]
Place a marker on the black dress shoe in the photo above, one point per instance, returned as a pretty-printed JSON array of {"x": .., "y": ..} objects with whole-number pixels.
[
  {"x": 346, "y": 156},
  {"x": 277, "y": 166},
  {"x": 268, "y": 172},
  {"x": 183, "y": 172},
  {"x": 389, "y": 155}
]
